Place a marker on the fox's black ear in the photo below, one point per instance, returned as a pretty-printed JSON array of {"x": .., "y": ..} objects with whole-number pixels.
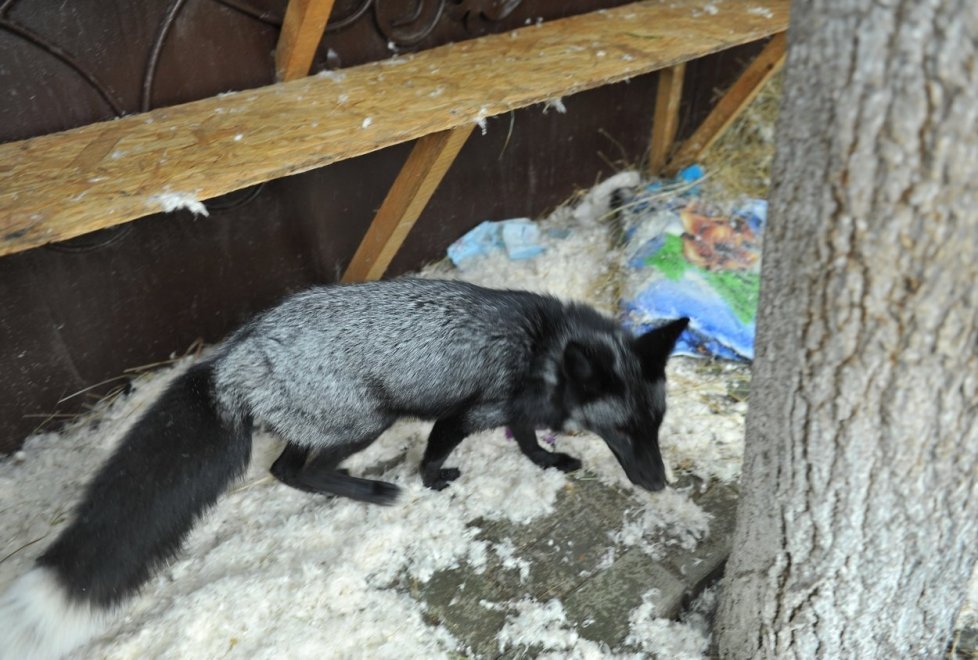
[
  {"x": 587, "y": 369},
  {"x": 654, "y": 347}
]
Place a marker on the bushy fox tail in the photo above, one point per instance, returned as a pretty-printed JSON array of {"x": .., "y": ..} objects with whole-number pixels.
[{"x": 172, "y": 465}]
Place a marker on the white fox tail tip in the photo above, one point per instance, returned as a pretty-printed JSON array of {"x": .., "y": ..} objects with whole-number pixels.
[{"x": 38, "y": 622}]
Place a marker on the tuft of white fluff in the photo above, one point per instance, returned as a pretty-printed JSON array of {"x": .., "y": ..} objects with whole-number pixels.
[
  {"x": 662, "y": 637},
  {"x": 538, "y": 624},
  {"x": 597, "y": 203},
  {"x": 174, "y": 201},
  {"x": 480, "y": 120},
  {"x": 38, "y": 620},
  {"x": 557, "y": 104}
]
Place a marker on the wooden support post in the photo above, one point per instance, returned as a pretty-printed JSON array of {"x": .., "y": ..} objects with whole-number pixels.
[
  {"x": 768, "y": 62},
  {"x": 668, "y": 94},
  {"x": 302, "y": 30},
  {"x": 430, "y": 158}
]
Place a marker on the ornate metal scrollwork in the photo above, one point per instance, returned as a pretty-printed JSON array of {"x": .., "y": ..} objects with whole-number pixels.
[
  {"x": 476, "y": 14},
  {"x": 406, "y": 28},
  {"x": 405, "y": 25},
  {"x": 339, "y": 21}
]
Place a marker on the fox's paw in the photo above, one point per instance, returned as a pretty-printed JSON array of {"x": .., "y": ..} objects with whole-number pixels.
[
  {"x": 440, "y": 479},
  {"x": 565, "y": 462},
  {"x": 547, "y": 459}
]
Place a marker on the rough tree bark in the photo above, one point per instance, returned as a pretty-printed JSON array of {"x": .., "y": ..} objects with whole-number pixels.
[{"x": 858, "y": 524}]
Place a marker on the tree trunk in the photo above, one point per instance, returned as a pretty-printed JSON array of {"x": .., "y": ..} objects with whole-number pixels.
[{"x": 857, "y": 529}]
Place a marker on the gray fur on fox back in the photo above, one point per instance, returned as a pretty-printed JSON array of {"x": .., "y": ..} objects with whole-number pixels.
[{"x": 338, "y": 364}]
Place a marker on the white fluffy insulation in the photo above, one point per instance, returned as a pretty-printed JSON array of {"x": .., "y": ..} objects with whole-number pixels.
[{"x": 271, "y": 570}]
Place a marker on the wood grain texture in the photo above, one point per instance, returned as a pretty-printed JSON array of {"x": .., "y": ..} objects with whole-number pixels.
[
  {"x": 668, "y": 94},
  {"x": 55, "y": 187},
  {"x": 424, "y": 169},
  {"x": 302, "y": 30},
  {"x": 767, "y": 63}
]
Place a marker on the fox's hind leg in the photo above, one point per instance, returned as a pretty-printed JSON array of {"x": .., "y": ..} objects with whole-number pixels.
[
  {"x": 527, "y": 439},
  {"x": 320, "y": 475}
]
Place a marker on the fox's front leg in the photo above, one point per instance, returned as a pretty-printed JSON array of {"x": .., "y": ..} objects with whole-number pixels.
[
  {"x": 445, "y": 436},
  {"x": 527, "y": 439}
]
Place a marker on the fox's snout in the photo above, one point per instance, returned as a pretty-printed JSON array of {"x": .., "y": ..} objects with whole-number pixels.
[
  {"x": 649, "y": 477},
  {"x": 654, "y": 484},
  {"x": 643, "y": 466}
]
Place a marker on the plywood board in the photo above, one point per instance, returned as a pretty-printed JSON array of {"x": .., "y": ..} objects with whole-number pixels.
[{"x": 67, "y": 184}]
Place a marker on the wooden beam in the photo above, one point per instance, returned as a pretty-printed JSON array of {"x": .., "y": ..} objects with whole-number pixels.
[
  {"x": 668, "y": 94},
  {"x": 424, "y": 169},
  {"x": 767, "y": 63},
  {"x": 302, "y": 30},
  {"x": 59, "y": 186}
]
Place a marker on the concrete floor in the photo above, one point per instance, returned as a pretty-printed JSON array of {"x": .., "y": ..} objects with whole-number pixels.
[{"x": 565, "y": 553}]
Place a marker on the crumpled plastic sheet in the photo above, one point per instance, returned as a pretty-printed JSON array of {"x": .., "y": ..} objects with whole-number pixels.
[
  {"x": 520, "y": 237},
  {"x": 687, "y": 256}
]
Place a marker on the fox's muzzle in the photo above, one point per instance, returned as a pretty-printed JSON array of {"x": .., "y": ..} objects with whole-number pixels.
[
  {"x": 643, "y": 466},
  {"x": 649, "y": 477}
]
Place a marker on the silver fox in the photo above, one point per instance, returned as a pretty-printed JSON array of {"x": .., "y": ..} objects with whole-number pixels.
[{"x": 329, "y": 370}]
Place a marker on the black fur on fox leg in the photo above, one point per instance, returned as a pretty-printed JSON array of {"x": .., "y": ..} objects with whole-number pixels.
[
  {"x": 294, "y": 458},
  {"x": 446, "y": 434},
  {"x": 289, "y": 463},
  {"x": 526, "y": 437},
  {"x": 320, "y": 475},
  {"x": 343, "y": 485}
]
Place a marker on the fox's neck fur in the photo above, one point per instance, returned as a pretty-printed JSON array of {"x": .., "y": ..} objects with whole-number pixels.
[{"x": 541, "y": 400}]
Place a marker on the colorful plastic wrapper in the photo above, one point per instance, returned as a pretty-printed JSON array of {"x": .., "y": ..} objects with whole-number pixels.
[{"x": 686, "y": 256}]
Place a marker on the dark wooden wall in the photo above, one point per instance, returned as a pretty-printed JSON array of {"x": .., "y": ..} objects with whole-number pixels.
[{"x": 76, "y": 313}]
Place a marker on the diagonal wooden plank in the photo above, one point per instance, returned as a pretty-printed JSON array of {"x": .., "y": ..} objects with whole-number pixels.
[
  {"x": 302, "y": 30},
  {"x": 767, "y": 63},
  {"x": 424, "y": 169},
  {"x": 49, "y": 191},
  {"x": 668, "y": 94}
]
